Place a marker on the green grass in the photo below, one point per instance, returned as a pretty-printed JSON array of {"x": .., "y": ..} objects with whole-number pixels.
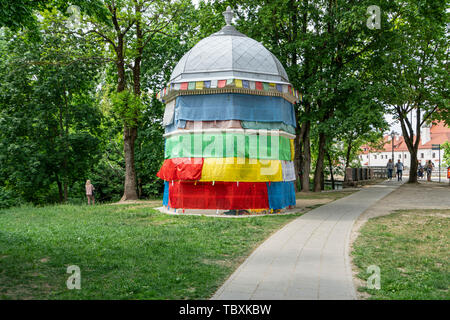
[
  {"x": 411, "y": 247},
  {"x": 123, "y": 251}
]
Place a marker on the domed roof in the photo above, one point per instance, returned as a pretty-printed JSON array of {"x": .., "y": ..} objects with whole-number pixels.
[{"x": 229, "y": 54}]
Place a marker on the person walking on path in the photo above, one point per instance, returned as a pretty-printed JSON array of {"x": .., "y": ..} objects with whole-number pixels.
[
  {"x": 90, "y": 192},
  {"x": 399, "y": 166},
  {"x": 420, "y": 170},
  {"x": 429, "y": 167},
  {"x": 390, "y": 168}
]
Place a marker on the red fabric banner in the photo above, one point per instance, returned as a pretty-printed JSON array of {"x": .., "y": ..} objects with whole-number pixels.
[
  {"x": 184, "y": 86},
  {"x": 258, "y": 85},
  {"x": 181, "y": 169},
  {"x": 221, "y": 195},
  {"x": 221, "y": 83}
]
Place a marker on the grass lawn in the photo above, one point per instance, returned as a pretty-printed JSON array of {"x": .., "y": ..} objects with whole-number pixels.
[
  {"x": 123, "y": 251},
  {"x": 411, "y": 247}
]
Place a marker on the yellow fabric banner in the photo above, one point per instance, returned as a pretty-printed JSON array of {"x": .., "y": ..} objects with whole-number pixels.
[
  {"x": 292, "y": 149},
  {"x": 238, "y": 83},
  {"x": 241, "y": 169},
  {"x": 199, "y": 85}
]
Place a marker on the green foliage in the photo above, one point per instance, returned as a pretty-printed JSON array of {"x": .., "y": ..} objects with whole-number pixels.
[
  {"x": 127, "y": 107},
  {"x": 48, "y": 118},
  {"x": 446, "y": 158},
  {"x": 8, "y": 198}
]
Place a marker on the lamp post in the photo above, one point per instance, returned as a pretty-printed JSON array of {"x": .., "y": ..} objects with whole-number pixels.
[{"x": 392, "y": 138}]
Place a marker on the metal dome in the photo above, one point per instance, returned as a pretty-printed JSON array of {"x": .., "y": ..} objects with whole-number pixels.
[{"x": 229, "y": 54}]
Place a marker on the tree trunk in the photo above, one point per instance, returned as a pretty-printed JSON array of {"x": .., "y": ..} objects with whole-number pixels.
[
  {"x": 130, "y": 131},
  {"x": 330, "y": 165},
  {"x": 347, "y": 159},
  {"x": 306, "y": 157},
  {"x": 319, "y": 164},
  {"x": 129, "y": 137},
  {"x": 297, "y": 161},
  {"x": 60, "y": 189},
  {"x": 413, "y": 145},
  {"x": 413, "y": 168}
]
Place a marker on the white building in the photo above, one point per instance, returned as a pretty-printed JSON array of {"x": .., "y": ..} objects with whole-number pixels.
[{"x": 434, "y": 134}]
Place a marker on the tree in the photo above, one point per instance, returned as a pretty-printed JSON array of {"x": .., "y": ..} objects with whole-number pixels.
[
  {"x": 415, "y": 70},
  {"x": 18, "y": 14},
  {"x": 327, "y": 51},
  {"x": 48, "y": 119},
  {"x": 131, "y": 26},
  {"x": 446, "y": 157}
]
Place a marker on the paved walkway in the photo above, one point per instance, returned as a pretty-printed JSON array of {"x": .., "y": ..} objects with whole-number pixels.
[{"x": 309, "y": 257}]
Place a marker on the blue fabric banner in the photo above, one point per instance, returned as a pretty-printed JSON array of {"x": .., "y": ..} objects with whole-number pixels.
[
  {"x": 234, "y": 106},
  {"x": 281, "y": 194},
  {"x": 268, "y": 125},
  {"x": 166, "y": 193}
]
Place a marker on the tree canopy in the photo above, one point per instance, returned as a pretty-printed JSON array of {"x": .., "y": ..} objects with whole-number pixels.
[{"x": 77, "y": 98}]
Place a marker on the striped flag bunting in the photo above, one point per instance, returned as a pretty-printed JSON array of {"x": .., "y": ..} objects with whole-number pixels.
[{"x": 236, "y": 83}]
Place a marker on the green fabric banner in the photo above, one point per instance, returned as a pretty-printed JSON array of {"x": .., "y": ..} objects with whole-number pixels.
[
  {"x": 268, "y": 125},
  {"x": 223, "y": 145}
]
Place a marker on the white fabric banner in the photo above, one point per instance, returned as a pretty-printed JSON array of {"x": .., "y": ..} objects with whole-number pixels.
[
  {"x": 288, "y": 170},
  {"x": 168, "y": 113}
]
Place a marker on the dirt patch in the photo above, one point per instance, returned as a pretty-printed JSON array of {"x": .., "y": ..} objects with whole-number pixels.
[
  {"x": 423, "y": 195},
  {"x": 311, "y": 202},
  {"x": 141, "y": 203}
]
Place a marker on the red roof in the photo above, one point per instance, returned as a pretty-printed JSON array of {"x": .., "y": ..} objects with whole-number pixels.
[{"x": 439, "y": 134}]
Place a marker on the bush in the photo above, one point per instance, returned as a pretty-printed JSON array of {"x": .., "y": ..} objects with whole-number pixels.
[{"x": 9, "y": 199}]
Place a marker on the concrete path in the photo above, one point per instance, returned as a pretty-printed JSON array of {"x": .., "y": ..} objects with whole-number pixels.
[{"x": 308, "y": 258}]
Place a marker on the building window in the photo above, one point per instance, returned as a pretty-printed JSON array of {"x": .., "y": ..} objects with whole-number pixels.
[
  {"x": 404, "y": 156},
  {"x": 421, "y": 155},
  {"x": 434, "y": 155},
  {"x": 399, "y": 156},
  {"x": 375, "y": 157}
]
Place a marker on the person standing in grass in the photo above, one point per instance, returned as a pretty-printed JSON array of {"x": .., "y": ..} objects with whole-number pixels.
[
  {"x": 399, "y": 166},
  {"x": 390, "y": 168},
  {"x": 90, "y": 192}
]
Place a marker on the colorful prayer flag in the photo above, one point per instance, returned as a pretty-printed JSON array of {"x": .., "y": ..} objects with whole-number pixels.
[
  {"x": 245, "y": 84},
  {"x": 199, "y": 85},
  {"x": 213, "y": 83},
  {"x": 191, "y": 86},
  {"x": 222, "y": 83},
  {"x": 252, "y": 85},
  {"x": 258, "y": 85},
  {"x": 238, "y": 83},
  {"x": 207, "y": 84},
  {"x": 279, "y": 87},
  {"x": 266, "y": 86},
  {"x": 184, "y": 86},
  {"x": 230, "y": 82}
]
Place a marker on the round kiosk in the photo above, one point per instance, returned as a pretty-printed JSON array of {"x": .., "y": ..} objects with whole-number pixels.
[{"x": 229, "y": 128}]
